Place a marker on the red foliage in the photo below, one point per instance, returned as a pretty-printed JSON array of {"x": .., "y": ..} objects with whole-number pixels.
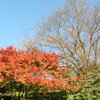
[{"x": 34, "y": 67}]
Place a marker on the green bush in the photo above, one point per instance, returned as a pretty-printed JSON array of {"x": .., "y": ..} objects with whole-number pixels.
[{"x": 90, "y": 88}]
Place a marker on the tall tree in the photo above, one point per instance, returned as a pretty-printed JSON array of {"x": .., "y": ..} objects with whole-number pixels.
[{"x": 74, "y": 32}]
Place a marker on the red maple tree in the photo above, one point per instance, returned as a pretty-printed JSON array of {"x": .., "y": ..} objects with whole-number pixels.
[{"x": 35, "y": 67}]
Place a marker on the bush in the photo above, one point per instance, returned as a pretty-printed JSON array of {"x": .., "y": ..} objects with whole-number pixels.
[{"x": 90, "y": 88}]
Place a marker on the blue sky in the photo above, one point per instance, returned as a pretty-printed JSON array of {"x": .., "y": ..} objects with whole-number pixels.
[{"x": 18, "y": 17}]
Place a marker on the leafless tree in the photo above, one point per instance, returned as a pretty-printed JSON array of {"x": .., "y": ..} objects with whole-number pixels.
[{"x": 74, "y": 32}]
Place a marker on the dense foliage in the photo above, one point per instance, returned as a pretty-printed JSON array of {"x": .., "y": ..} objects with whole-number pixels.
[
  {"x": 90, "y": 87},
  {"x": 33, "y": 72}
]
